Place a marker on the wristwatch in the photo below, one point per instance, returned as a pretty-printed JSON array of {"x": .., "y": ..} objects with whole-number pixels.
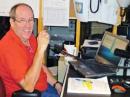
[{"x": 54, "y": 85}]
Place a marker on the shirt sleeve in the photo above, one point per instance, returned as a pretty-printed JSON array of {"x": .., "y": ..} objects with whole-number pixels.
[{"x": 17, "y": 64}]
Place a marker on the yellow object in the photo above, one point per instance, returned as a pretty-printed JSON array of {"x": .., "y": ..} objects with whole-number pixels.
[
  {"x": 41, "y": 26},
  {"x": 40, "y": 18},
  {"x": 78, "y": 34},
  {"x": 114, "y": 30},
  {"x": 88, "y": 84},
  {"x": 71, "y": 12}
]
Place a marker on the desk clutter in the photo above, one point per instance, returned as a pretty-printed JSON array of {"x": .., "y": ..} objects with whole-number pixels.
[
  {"x": 89, "y": 86},
  {"x": 119, "y": 84}
]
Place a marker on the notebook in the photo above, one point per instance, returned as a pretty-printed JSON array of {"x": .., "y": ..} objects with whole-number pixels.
[{"x": 105, "y": 62}]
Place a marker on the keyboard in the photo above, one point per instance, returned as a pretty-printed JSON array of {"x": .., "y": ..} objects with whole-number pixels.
[{"x": 90, "y": 67}]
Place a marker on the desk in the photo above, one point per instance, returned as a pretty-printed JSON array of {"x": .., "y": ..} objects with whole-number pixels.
[{"x": 72, "y": 73}]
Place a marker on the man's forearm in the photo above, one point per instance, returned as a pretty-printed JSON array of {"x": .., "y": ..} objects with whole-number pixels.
[
  {"x": 33, "y": 73},
  {"x": 51, "y": 80}
]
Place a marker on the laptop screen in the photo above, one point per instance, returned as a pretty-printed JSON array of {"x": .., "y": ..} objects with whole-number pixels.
[{"x": 110, "y": 42}]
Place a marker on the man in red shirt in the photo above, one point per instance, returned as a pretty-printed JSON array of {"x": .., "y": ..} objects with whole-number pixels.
[{"x": 21, "y": 55}]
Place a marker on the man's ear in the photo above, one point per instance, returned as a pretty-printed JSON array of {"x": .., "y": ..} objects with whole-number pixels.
[{"x": 11, "y": 22}]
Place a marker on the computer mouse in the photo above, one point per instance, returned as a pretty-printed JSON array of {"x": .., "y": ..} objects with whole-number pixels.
[{"x": 118, "y": 89}]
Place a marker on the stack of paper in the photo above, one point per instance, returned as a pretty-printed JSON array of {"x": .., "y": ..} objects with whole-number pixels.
[{"x": 90, "y": 86}]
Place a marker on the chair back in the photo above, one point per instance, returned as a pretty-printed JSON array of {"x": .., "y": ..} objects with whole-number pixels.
[
  {"x": 22, "y": 93},
  {"x": 2, "y": 89}
]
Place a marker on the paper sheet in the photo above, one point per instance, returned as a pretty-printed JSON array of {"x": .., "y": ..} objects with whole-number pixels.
[
  {"x": 81, "y": 9},
  {"x": 89, "y": 86},
  {"x": 56, "y": 12},
  {"x": 106, "y": 11}
]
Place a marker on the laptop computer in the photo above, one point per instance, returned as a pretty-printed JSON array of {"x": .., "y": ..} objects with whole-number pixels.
[{"x": 105, "y": 62}]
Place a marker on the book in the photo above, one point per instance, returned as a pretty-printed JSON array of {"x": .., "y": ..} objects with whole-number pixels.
[{"x": 88, "y": 85}]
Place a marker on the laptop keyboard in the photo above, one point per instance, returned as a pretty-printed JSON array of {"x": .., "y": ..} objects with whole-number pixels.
[
  {"x": 90, "y": 68},
  {"x": 93, "y": 65}
]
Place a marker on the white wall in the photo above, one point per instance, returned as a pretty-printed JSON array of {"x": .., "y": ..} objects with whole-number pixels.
[{"x": 5, "y": 6}]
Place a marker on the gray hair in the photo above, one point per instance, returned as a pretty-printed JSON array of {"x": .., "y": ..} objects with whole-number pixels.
[{"x": 12, "y": 12}]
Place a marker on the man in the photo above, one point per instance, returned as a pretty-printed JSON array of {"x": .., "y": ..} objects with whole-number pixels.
[{"x": 21, "y": 56}]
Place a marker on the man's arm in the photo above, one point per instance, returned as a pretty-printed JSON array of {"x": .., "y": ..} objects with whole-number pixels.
[
  {"x": 32, "y": 75},
  {"x": 51, "y": 80}
]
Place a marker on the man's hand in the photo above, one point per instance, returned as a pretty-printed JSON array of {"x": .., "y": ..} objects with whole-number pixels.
[
  {"x": 58, "y": 88},
  {"x": 43, "y": 40}
]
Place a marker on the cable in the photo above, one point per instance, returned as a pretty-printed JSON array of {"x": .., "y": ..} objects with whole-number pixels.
[{"x": 99, "y": 1}]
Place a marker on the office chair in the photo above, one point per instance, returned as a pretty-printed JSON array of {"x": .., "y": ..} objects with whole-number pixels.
[
  {"x": 22, "y": 93},
  {"x": 19, "y": 93},
  {"x": 2, "y": 89}
]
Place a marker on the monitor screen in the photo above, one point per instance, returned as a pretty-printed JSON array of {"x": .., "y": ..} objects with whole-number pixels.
[{"x": 106, "y": 50}]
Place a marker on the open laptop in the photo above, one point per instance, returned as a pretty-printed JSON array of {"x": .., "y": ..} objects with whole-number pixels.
[{"x": 105, "y": 62}]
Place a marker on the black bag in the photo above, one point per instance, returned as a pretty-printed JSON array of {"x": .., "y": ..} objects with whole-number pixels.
[{"x": 23, "y": 93}]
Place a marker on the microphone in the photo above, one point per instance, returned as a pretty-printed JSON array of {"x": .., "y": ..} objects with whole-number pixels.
[{"x": 122, "y": 53}]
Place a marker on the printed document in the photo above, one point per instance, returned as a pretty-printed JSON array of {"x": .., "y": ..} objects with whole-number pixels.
[
  {"x": 56, "y": 12},
  {"x": 89, "y": 86}
]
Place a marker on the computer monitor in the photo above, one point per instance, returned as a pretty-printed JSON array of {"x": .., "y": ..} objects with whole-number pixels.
[{"x": 106, "y": 50}]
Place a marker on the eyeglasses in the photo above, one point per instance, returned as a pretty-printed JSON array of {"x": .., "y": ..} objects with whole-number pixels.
[{"x": 24, "y": 21}]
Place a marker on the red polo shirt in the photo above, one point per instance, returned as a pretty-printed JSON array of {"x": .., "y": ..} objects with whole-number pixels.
[{"x": 15, "y": 60}]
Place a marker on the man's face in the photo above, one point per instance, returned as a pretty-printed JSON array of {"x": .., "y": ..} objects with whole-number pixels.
[{"x": 23, "y": 22}]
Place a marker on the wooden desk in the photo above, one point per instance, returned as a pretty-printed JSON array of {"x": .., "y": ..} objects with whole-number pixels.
[{"x": 72, "y": 73}]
